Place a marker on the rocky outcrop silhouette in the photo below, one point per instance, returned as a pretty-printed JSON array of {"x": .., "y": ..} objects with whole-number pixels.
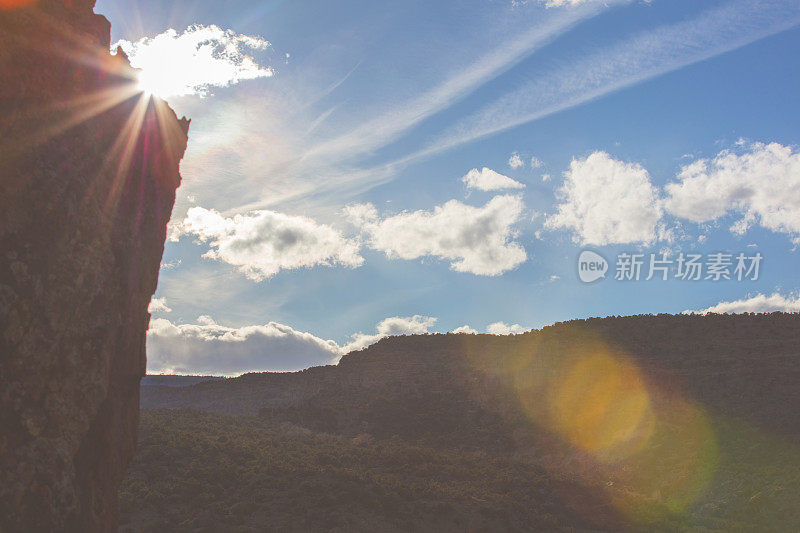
[{"x": 88, "y": 172}]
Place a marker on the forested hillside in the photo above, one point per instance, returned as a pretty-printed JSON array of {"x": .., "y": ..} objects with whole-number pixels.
[{"x": 649, "y": 422}]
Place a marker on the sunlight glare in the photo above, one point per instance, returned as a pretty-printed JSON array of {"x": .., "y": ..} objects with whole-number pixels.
[
  {"x": 602, "y": 406},
  {"x": 148, "y": 85},
  {"x": 653, "y": 451},
  {"x": 194, "y": 61}
]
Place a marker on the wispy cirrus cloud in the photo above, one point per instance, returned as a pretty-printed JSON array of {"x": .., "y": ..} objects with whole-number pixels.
[
  {"x": 388, "y": 126},
  {"x": 630, "y": 61},
  {"x": 299, "y": 149},
  {"x": 572, "y": 82},
  {"x": 339, "y": 152}
]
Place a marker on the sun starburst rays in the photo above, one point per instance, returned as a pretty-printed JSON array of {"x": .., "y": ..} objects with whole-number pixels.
[{"x": 98, "y": 101}]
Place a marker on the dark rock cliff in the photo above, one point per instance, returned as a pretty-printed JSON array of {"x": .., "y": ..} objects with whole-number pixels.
[{"x": 88, "y": 172}]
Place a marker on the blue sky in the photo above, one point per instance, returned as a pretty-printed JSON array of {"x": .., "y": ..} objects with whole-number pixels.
[{"x": 326, "y": 200}]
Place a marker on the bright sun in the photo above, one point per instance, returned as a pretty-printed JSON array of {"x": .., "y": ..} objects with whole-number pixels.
[
  {"x": 156, "y": 80},
  {"x": 150, "y": 85}
]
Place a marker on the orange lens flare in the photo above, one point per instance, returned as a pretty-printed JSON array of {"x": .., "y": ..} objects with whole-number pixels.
[
  {"x": 674, "y": 469},
  {"x": 602, "y": 406},
  {"x": 653, "y": 452}
]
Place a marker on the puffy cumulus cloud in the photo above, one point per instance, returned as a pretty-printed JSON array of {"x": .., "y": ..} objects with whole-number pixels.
[
  {"x": 761, "y": 184},
  {"x": 759, "y": 303},
  {"x": 261, "y": 243},
  {"x": 158, "y": 305},
  {"x": 607, "y": 201},
  {"x": 477, "y": 240},
  {"x": 515, "y": 161},
  {"x": 209, "y": 348},
  {"x": 487, "y": 179},
  {"x": 501, "y": 328},
  {"x": 536, "y": 162},
  {"x": 194, "y": 60},
  {"x": 410, "y": 325},
  {"x": 465, "y": 329}
]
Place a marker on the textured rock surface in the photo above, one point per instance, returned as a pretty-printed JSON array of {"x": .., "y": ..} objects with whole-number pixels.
[{"x": 88, "y": 172}]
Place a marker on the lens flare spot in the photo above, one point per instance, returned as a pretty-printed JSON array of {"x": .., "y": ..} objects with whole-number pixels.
[
  {"x": 605, "y": 417},
  {"x": 675, "y": 468},
  {"x": 602, "y": 406}
]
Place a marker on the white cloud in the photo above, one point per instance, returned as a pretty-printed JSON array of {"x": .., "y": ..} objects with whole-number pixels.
[
  {"x": 759, "y": 303},
  {"x": 465, "y": 329},
  {"x": 488, "y": 180},
  {"x": 361, "y": 215},
  {"x": 761, "y": 184},
  {"x": 515, "y": 161},
  {"x": 545, "y": 178},
  {"x": 194, "y": 60},
  {"x": 501, "y": 328},
  {"x": 606, "y": 201},
  {"x": 536, "y": 162},
  {"x": 562, "y": 3},
  {"x": 208, "y": 348},
  {"x": 477, "y": 240},
  {"x": 206, "y": 320},
  {"x": 158, "y": 305},
  {"x": 411, "y": 325},
  {"x": 554, "y": 3},
  {"x": 261, "y": 243}
]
